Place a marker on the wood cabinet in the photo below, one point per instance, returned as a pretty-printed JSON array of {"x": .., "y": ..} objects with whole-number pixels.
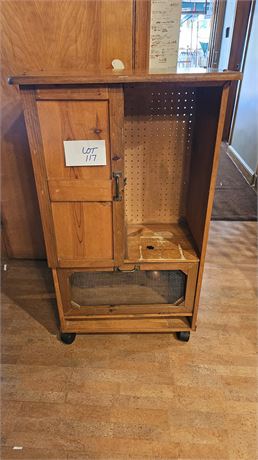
[{"x": 126, "y": 240}]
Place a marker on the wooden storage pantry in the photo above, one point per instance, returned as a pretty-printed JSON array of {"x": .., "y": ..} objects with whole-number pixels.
[{"x": 126, "y": 241}]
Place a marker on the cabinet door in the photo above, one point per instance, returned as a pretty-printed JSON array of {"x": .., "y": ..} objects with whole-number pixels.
[{"x": 85, "y": 213}]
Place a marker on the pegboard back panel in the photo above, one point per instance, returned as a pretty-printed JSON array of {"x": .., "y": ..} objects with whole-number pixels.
[{"x": 158, "y": 133}]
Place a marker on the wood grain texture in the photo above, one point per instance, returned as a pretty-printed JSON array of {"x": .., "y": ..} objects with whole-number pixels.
[
  {"x": 20, "y": 217},
  {"x": 142, "y": 34},
  {"x": 50, "y": 36},
  {"x": 204, "y": 140},
  {"x": 210, "y": 196},
  {"x": 79, "y": 190},
  {"x": 52, "y": 42},
  {"x": 83, "y": 231},
  {"x": 206, "y": 78},
  {"x": 159, "y": 243},
  {"x": 39, "y": 167},
  {"x": 129, "y": 325},
  {"x": 70, "y": 92},
  {"x": 138, "y": 396},
  {"x": 73, "y": 120},
  {"x": 116, "y": 114}
]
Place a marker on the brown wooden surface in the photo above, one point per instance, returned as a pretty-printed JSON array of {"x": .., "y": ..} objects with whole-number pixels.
[
  {"x": 191, "y": 286},
  {"x": 138, "y": 395},
  {"x": 205, "y": 132},
  {"x": 68, "y": 92},
  {"x": 21, "y": 224},
  {"x": 67, "y": 35},
  {"x": 66, "y": 123},
  {"x": 210, "y": 196},
  {"x": 189, "y": 76},
  {"x": 83, "y": 231},
  {"x": 116, "y": 120},
  {"x": 39, "y": 167},
  {"x": 167, "y": 243},
  {"x": 50, "y": 36},
  {"x": 83, "y": 206},
  {"x": 132, "y": 325},
  {"x": 77, "y": 190},
  {"x": 125, "y": 312},
  {"x": 142, "y": 34}
]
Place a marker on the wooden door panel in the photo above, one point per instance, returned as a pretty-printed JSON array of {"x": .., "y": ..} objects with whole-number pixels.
[
  {"x": 78, "y": 190},
  {"x": 73, "y": 120},
  {"x": 81, "y": 196},
  {"x": 83, "y": 231}
]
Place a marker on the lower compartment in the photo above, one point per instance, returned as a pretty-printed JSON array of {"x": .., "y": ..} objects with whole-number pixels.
[
  {"x": 135, "y": 288},
  {"x": 116, "y": 294}
]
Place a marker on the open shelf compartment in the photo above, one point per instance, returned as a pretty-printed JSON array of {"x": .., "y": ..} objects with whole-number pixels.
[{"x": 160, "y": 243}]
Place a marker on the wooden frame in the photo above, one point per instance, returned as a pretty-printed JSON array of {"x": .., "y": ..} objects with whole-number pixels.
[
  {"x": 244, "y": 10},
  {"x": 194, "y": 121}
]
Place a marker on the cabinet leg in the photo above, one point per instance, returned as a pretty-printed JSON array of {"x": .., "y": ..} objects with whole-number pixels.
[{"x": 67, "y": 337}]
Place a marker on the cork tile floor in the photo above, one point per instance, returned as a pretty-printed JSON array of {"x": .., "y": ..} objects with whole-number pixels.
[{"x": 134, "y": 396}]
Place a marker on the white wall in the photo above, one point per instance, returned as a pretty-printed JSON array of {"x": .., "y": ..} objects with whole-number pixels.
[
  {"x": 229, "y": 20},
  {"x": 245, "y": 131}
]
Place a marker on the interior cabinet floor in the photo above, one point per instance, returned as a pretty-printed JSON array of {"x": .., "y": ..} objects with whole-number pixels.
[
  {"x": 160, "y": 243},
  {"x": 134, "y": 395}
]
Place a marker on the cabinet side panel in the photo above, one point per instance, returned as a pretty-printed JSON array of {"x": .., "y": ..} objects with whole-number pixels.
[
  {"x": 36, "y": 149},
  {"x": 73, "y": 120},
  {"x": 208, "y": 135},
  {"x": 206, "y": 123}
]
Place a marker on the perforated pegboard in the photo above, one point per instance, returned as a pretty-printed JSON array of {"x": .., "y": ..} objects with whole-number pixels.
[{"x": 158, "y": 133}]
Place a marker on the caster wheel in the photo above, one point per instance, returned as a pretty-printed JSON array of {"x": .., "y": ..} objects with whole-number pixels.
[
  {"x": 184, "y": 336},
  {"x": 67, "y": 337}
]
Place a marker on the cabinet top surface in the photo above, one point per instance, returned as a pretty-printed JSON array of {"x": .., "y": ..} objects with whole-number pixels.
[{"x": 195, "y": 76}]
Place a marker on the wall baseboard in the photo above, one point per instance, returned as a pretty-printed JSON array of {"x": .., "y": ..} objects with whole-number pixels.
[{"x": 242, "y": 166}]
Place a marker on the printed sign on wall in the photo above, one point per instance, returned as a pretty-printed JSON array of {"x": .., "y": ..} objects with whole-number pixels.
[
  {"x": 164, "y": 35},
  {"x": 85, "y": 153}
]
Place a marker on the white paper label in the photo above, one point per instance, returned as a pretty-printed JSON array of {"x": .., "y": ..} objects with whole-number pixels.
[
  {"x": 85, "y": 153},
  {"x": 164, "y": 35}
]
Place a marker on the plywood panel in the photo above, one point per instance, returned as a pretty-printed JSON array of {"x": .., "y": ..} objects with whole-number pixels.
[
  {"x": 50, "y": 36},
  {"x": 83, "y": 230}
]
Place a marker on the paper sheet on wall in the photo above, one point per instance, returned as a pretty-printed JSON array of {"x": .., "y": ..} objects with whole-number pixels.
[{"x": 164, "y": 35}]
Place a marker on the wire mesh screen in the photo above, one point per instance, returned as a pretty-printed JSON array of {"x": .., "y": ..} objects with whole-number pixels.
[{"x": 136, "y": 288}]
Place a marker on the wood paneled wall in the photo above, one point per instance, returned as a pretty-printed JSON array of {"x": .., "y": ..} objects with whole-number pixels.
[{"x": 52, "y": 36}]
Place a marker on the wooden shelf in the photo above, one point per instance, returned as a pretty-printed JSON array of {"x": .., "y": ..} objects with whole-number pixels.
[
  {"x": 160, "y": 243},
  {"x": 128, "y": 325},
  {"x": 190, "y": 76}
]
